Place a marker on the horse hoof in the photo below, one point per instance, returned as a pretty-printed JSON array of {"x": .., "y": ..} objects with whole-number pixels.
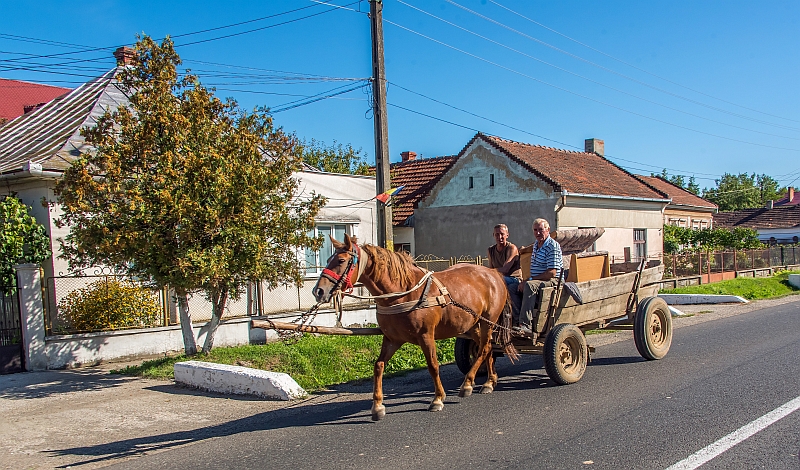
[
  {"x": 378, "y": 412},
  {"x": 465, "y": 392},
  {"x": 436, "y": 406},
  {"x": 487, "y": 388}
]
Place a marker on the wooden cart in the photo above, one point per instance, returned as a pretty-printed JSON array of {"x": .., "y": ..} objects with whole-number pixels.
[{"x": 625, "y": 301}]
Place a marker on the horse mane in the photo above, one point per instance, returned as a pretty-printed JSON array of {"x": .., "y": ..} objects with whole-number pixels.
[{"x": 396, "y": 265}]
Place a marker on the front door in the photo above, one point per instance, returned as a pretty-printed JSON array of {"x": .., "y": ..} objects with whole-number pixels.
[{"x": 11, "y": 348}]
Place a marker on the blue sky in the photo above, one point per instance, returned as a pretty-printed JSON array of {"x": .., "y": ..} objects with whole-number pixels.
[{"x": 700, "y": 88}]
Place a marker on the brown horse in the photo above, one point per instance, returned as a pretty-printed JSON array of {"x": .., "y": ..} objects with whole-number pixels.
[{"x": 465, "y": 298}]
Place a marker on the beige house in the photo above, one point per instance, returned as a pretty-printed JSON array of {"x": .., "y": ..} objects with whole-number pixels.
[
  {"x": 495, "y": 180},
  {"x": 686, "y": 209}
]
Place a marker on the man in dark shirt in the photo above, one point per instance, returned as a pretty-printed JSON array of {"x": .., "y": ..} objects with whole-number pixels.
[{"x": 504, "y": 257}]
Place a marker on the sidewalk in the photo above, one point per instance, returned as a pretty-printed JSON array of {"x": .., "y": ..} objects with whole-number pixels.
[{"x": 88, "y": 418}]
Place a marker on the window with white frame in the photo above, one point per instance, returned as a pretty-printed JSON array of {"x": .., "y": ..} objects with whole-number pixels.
[
  {"x": 317, "y": 260},
  {"x": 640, "y": 243}
]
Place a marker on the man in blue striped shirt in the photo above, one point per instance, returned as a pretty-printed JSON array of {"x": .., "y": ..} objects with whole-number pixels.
[{"x": 546, "y": 265}]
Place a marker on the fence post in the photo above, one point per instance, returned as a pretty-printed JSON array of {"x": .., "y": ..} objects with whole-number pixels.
[{"x": 31, "y": 309}]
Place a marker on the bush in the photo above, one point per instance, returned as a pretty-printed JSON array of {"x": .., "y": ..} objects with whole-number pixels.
[{"x": 110, "y": 304}]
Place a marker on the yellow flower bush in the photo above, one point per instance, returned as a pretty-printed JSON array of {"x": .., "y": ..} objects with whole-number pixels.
[{"x": 110, "y": 304}]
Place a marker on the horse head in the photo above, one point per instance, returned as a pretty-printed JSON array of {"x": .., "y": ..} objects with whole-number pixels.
[{"x": 343, "y": 270}]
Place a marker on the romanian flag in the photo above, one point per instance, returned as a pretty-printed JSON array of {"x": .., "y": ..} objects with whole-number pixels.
[{"x": 384, "y": 197}]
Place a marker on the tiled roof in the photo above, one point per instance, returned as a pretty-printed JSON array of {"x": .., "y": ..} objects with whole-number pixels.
[
  {"x": 678, "y": 194},
  {"x": 418, "y": 178},
  {"x": 575, "y": 172},
  {"x": 761, "y": 218},
  {"x": 50, "y": 135},
  {"x": 16, "y": 94},
  {"x": 784, "y": 201}
]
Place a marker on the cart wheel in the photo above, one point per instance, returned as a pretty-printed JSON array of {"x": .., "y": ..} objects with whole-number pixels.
[
  {"x": 652, "y": 328},
  {"x": 466, "y": 351},
  {"x": 565, "y": 354}
]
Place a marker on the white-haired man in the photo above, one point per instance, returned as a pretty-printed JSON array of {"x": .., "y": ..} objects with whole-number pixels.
[{"x": 546, "y": 266}]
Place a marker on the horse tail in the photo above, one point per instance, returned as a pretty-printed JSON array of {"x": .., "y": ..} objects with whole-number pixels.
[{"x": 504, "y": 335}]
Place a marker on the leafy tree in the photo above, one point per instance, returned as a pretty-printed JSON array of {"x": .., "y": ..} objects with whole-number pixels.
[
  {"x": 336, "y": 158},
  {"x": 679, "y": 181},
  {"x": 692, "y": 186},
  {"x": 743, "y": 191},
  {"x": 680, "y": 239},
  {"x": 186, "y": 190},
  {"x": 22, "y": 239}
]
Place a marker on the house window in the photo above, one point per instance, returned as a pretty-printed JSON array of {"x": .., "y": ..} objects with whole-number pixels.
[
  {"x": 640, "y": 243},
  {"x": 403, "y": 247},
  {"x": 491, "y": 180},
  {"x": 317, "y": 260},
  {"x": 471, "y": 183}
]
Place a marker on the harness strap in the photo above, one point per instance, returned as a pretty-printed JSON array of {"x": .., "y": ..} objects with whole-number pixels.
[{"x": 423, "y": 302}]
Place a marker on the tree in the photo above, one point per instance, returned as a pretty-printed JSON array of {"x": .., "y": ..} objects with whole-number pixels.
[
  {"x": 680, "y": 239},
  {"x": 22, "y": 239},
  {"x": 692, "y": 186},
  {"x": 336, "y": 158},
  {"x": 185, "y": 190},
  {"x": 743, "y": 191}
]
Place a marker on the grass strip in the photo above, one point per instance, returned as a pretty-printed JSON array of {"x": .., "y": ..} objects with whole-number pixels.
[
  {"x": 315, "y": 362},
  {"x": 747, "y": 287}
]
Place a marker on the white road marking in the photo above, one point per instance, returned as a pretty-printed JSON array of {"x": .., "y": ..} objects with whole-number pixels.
[{"x": 712, "y": 450}]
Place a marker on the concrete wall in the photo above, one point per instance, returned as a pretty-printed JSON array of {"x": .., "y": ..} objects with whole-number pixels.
[
  {"x": 781, "y": 235},
  {"x": 92, "y": 348},
  {"x": 405, "y": 235}
]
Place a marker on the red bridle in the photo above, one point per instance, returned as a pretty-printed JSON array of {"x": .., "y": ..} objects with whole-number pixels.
[{"x": 348, "y": 273}]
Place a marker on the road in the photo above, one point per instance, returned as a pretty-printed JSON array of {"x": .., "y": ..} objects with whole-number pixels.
[{"x": 719, "y": 377}]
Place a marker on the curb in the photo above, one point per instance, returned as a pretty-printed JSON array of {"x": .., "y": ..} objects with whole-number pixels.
[
  {"x": 693, "y": 299},
  {"x": 237, "y": 380}
]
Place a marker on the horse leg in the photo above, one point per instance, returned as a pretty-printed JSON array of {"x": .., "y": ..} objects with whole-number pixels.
[
  {"x": 484, "y": 349},
  {"x": 491, "y": 376},
  {"x": 388, "y": 348},
  {"x": 428, "y": 347}
]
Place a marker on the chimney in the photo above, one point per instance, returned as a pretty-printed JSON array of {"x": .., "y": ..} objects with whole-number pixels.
[
  {"x": 408, "y": 156},
  {"x": 124, "y": 55},
  {"x": 791, "y": 194},
  {"x": 770, "y": 204},
  {"x": 594, "y": 146}
]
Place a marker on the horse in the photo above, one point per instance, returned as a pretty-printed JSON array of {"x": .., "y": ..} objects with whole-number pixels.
[{"x": 417, "y": 306}]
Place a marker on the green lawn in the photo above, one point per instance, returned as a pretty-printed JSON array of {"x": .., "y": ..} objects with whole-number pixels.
[
  {"x": 749, "y": 288},
  {"x": 315, "y": 362}
]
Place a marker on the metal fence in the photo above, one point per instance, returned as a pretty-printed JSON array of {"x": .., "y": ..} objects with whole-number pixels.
[
  {"x": 697, "y": 264},
  {"x": 10, "y": 328}
]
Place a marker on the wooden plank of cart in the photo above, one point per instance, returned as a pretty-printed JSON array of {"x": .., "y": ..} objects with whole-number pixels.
[{"x": 622, "y": 301}]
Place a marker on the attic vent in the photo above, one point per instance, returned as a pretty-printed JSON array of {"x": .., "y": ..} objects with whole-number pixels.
[
  {"x": 471, "y": 183},
  {"x": 491, "y": 180}
]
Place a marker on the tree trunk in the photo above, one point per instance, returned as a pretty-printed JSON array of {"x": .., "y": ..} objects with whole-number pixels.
[
  {"x": 189, "y": 343},
  {"x": 218, "y": 300}
]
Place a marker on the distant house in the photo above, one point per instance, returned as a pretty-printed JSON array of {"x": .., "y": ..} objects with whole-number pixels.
[
  {"x": 417, "y": 177},
  {"x": 791, "y": 198},
  {"x": 18, "y": 97},
  {"x": 686, "y": 209},
  {"x": 36, "y": 148},
  {"x": 495, "y": 180},
  {"x": 776, "y": 225}
]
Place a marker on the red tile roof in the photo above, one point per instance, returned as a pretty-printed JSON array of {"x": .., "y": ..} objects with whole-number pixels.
[
  {"x": 16, "y": 94},
  {"x": 761, "y": 218},
  {"x": 795, "y": 199},
  {"x": 574, "y": 172},
  {"x": 679, "y": 195},
  {"x": 418, "y": 178}
]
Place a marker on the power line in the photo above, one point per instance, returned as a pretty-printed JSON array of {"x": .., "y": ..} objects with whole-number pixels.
[
  {"x": 590, "y": 79},
  {"x": 584, "y": 96},
  {"x": 638, "y": 68},
  {"x": 613, "y": 71},
  {"x": 314, "y": 99}
]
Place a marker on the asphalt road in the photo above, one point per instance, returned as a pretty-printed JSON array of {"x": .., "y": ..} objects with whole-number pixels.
[{"x": 718, "y": 377}]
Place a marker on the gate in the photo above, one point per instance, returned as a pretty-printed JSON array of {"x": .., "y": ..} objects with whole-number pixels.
[{"x": 11, "y": 353}]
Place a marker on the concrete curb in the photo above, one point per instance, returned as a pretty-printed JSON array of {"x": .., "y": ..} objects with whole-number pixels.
[
  {"x": 694, "y": 299},
  {"x": 794, "y": 280},
  {"x": 237, "y": 380}
]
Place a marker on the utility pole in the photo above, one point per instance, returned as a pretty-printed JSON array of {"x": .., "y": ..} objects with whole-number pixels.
[{"x": 382, "y": 177}]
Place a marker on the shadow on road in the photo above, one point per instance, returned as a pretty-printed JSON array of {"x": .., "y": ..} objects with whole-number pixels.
[{"x": 407, "y": 394}]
